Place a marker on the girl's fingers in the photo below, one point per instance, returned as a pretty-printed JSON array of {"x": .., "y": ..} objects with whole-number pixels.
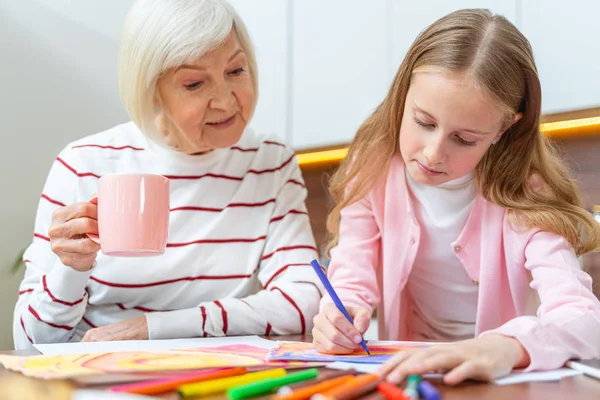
[
  {"x": 464, "y": 371},
  {"x": 397, "y": 360},
  {"x": 340, "y": 330},
  {"x": 325, "y": 345}
]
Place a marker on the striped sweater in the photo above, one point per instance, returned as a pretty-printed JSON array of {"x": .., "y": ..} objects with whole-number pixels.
[{"x": 237, "y": 258}]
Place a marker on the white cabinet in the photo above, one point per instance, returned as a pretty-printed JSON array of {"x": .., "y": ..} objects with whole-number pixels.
[
  {"x": 408, "y": 19},
  {"x": 565, "y": 37},
  {"x": 345, "y": 55},
  {"x": 339, "y": 68},
  {"x": 325, "y": 65},
  {"x": 267, "y": 23}
]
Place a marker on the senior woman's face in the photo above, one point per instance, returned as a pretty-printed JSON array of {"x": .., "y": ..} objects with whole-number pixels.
[{"x": 208, "y": 103}]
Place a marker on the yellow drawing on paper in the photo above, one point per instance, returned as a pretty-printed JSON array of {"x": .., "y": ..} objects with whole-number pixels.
[{"x": 69, "y": 366}]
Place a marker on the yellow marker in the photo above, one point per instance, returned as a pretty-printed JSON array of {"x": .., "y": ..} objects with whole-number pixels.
[{"x": 220, "y": 385}]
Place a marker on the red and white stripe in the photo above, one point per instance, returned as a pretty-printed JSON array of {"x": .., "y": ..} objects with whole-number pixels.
[{"x": 238, "y": 220}]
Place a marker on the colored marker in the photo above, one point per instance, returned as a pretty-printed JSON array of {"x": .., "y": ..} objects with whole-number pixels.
[
  {"x": 391, "y": 391},
  {"x": 220, "y": 385},
  {"x": 268, "y": 385},
  {"x": 427, "y": 391},
  {"x": 323, "y": 376},
  {"x": 305, "y": 393},
  {"x": 411, "y": 390},
  {"x": 358, "y": 392},
  {"x": 158, "y": 386},
  {"x": 376, "y": 395},
  {"x": 336, "y": 300},
  {"x": 348, "y": 388}
]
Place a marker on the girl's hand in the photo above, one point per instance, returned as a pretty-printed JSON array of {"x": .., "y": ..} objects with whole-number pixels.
[
  {"x": 334, "y": 334},
  {"x": 483, "y": 359},
  {"x": 68, "y": 234}
]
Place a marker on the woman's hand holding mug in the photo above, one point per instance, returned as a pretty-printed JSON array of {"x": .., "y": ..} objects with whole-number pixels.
[
  {"x": 128, "y": 218},
  {"x": 68, "y": 234}
]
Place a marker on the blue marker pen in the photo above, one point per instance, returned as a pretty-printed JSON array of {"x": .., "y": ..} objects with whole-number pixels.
[
  {"x": 336, "y": 300},
  {"x": 427, "y": 391}
]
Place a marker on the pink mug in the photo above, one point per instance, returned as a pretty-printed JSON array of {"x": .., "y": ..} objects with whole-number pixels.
[{"x": 133, "y": 214}]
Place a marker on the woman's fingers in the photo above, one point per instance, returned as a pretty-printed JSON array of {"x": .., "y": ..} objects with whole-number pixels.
[
  {"x": 82, "y": 209},
  {"x": 68, "y": 235}
]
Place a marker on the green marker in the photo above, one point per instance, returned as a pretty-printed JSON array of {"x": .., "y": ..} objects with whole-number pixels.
[
  {"x": 268, "y": 385},
  {"x": 412, "y": 384}
]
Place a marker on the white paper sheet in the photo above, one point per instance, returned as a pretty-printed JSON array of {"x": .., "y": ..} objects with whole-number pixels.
[
  {"x": 541, "y": 376},
  {"x": 89, "y": 394},
  {"x": 150, "y": 345},
  {"x": 515, "y": 377}
]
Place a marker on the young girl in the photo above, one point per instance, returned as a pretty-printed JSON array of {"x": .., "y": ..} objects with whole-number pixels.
[{"x": 457, "y": 220}]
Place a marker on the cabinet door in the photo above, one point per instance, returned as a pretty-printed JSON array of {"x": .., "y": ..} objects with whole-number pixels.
[
  {"x": 339, "y": 68},
  {"x": 266, "y": 21},
  {"x": 408, "y": 19},
  {"x": 565, "y": 37}
]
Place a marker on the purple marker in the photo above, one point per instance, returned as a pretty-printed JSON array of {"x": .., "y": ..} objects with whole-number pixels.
[{"x": 427, "y": 391}]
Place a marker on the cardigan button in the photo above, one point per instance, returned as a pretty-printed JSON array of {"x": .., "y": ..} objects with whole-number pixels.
[
  {"x": 457, "y": 248},
  {"x": 475, "y": 281}
]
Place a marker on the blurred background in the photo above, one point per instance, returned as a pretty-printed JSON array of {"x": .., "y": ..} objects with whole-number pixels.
[{"x": 323, "y": 65}]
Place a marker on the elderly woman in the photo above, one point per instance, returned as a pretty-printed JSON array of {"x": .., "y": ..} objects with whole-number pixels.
[{"x": 240, "y": 243}]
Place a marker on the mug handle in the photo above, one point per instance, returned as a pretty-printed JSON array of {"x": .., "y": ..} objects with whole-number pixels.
[{"x": 93, "y": 237}]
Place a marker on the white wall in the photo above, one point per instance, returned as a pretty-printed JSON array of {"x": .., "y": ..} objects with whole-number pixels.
[
  {"x": 340, "y": 68},
  {"x": 58, "y": 83},
  {"x": 566, "y": 45}
]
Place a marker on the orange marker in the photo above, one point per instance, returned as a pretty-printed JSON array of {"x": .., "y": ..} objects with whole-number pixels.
[
  {"x": 359, "y": 392},
  {"x": 320, "y": 387},
  {"x": 173, "y": 383},
  {"x": 391, "y": 391},
  {"x": 347, "y": 390},
  {"x": 323, "y": 376}
]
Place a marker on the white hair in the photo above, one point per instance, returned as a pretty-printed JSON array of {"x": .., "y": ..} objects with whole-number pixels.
[{"x": 158, "y": 35}]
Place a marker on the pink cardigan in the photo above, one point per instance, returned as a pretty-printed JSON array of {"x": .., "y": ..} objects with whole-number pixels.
[{"x": 379, "y": 238}]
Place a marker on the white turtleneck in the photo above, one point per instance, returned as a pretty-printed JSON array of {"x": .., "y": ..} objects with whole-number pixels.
[{"x": 443, "y": 296}]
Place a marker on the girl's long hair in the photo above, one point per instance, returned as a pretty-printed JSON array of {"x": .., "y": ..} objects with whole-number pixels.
[{"x": 521, "y": 172}]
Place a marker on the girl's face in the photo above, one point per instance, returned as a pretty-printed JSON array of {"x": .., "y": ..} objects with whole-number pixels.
[{"x": 448, "y": 125}]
